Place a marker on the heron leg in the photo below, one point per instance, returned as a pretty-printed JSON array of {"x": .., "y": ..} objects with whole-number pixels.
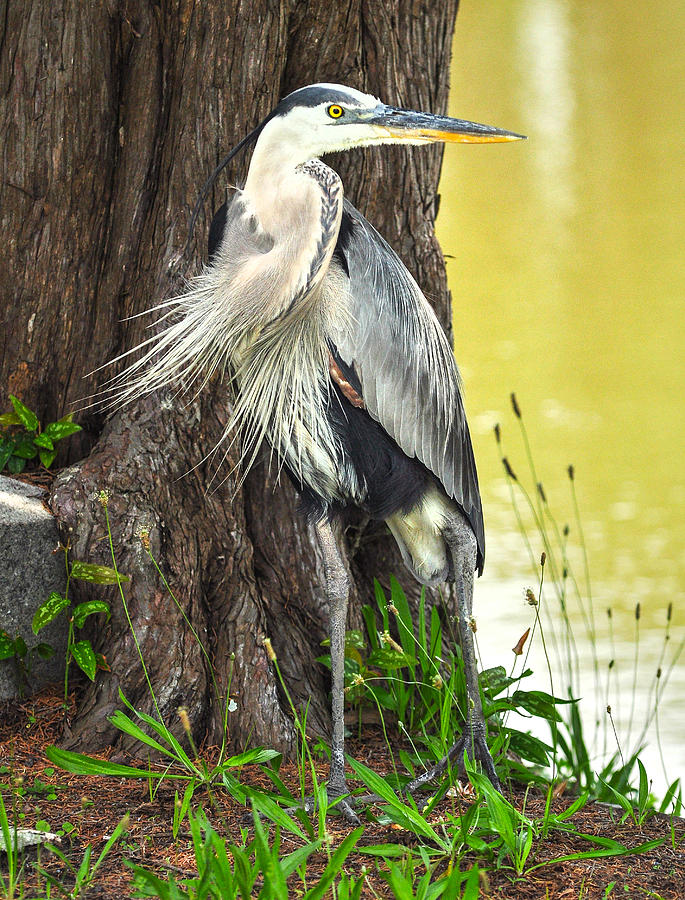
[
  {"x": 337, "y": 589},
  {"x": 462, "y": 545}
]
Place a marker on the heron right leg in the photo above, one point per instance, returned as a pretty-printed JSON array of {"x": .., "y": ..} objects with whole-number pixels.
[{"x": 462, "y": 545}]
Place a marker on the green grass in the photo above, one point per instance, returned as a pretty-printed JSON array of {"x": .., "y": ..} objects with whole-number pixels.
[{"x": 411, "y": 673}]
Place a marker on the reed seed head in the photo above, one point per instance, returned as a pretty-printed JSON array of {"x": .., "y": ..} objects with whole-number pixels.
[
  {"x": 388, "y": 639},
  {"x": 270, "y": 652},
  {"x": 611, "y": 663},
  {"x": 393, "y": 609},
  {"x": 567, "y": 530},
  {"x": 144, "y": 535},
  {"x": 543, "y": 559},
  {"x": 437, "y": 682},
  {"x": 669, "y": 611},
  {"x": 473, "y": 625},
  {"x": 103, "y": 497},
  {"x": 658, "y": 672},
  {"x": 531, "y": 599},
  {"x": 541, "y": 492},
  {"x": 508, "y": 469},
  {"x": 185, "y": 719},
  {"x": 498, "y": 435},
  {"x": 571, "y": 472},
  {"x": 637, "y": 612},
  {"x": 515, "y": 406}
]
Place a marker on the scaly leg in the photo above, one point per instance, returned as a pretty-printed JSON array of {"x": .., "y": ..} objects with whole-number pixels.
[
  {"x": 462, "y": 545},
  {"x": 337, "y": 589}
]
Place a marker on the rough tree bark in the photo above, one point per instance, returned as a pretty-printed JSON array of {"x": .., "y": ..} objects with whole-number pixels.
[{"x": 111, "y": 116}]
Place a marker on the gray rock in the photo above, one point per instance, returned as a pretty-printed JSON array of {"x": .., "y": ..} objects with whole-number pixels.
[{"x": 29, "y": 571}]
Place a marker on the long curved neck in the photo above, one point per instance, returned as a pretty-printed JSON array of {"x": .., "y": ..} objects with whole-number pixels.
[{"x": 300, "y": 207}]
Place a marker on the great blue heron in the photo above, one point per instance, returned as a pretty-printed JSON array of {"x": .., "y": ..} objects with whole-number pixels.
[{"x": 338, "y": 361}]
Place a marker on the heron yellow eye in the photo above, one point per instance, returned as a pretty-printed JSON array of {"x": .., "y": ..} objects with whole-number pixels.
[{"x": 335, "y": 111}]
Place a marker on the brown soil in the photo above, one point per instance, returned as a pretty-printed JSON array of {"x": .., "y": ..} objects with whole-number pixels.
[{"x": 96, "y": 804}]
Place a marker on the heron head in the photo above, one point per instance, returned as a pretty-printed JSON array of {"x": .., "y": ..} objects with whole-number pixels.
[{"x": 322, "y": 118}]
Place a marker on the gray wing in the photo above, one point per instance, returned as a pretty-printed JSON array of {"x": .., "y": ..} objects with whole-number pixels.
[{"x": 406, "y": 367}]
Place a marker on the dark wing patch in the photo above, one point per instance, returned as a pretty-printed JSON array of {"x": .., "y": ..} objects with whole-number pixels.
[
  {"x": 216, "y": 230},
  {"x": 405, "y": 365}
]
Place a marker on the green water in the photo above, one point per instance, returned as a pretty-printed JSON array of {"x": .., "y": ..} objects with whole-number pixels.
[{"x": 567, "y": 268}]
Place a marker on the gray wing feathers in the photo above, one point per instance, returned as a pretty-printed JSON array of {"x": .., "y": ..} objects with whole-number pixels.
[{"x": 404, "y": 362}]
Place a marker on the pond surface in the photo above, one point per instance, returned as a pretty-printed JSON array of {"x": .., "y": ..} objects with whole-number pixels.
[{"x": 567, "y": 269}]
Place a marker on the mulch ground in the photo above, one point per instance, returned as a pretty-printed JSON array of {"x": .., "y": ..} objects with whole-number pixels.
[{"x": 94, "y": 805}]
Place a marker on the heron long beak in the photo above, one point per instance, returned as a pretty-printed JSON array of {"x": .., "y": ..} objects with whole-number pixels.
[{"x": 406, "y": 124}]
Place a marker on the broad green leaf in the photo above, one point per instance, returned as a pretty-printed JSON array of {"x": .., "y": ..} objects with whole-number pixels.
[
  {"x": 121, "y": 721},
  {"x": 84, "y": 655},
  {"x": 269, "y": 809},
  {"x": 48, "y": 610},
  {"x": 387, "y": 658},
  {"x": 28, "y": 418},
  {"x": 83, "y": 610},
  {"x": 538, "y": 703},
  {"x": 16, "y": 464},
  {"x": 80, "y": 764},
  {"x": 97, "y": 574},
  {"x": 42, "y": 440},
  {"x": 7, "y": 419},
  {"x": 58, "y": 430},
  {"x": 385, "y": 851},
  {"x": 529, "y": 747},
  {"x": 256, "y": 755},
  {"x": 20, "y": 647},
  {"x": 400, "y": 812}
]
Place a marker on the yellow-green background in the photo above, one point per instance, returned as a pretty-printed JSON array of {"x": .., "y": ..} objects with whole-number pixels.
[{"x": 566, "y": 260}]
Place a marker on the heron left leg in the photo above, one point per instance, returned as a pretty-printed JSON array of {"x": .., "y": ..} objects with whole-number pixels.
[
  {"x": 462, "y": 545},
  {"x": 337, "y": 589}
]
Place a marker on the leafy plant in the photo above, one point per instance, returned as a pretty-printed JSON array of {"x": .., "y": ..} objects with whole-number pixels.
[
  {"x": 79, "y": 651},
  {"x": 258, "y": 868},
  {"x": 84, "y": 875},
  {"x": 22, "y": 438}
]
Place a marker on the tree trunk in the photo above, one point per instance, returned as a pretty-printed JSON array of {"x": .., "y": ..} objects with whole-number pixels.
[{"x": 111, "y": 117}]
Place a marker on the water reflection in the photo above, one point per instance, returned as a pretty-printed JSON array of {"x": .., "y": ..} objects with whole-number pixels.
[{"x": 567, "y": 274}]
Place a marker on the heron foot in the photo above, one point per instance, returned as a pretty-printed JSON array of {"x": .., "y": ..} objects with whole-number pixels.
[
  {"x": 473, "y": 742},
  {"x": 345, "y": 805}
]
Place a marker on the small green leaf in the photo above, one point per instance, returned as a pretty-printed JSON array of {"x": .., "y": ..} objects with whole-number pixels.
[
  {"x": 45, "y": 651},
  {"x": 28, "y": 418},
  {"x": 6, "y": 448},
  {"x": 15, "y": 464},
  {"x": 83, "y": 610},
  {"x": 48, "y": 610},
  {"x": 42, "y": 825},
  {"x": 20, "y": 647},
  {"x": 42, "y": 440},
  {"x": 26, "y": 448},
  {"x": 7, "y": 646},
  {"x": 7, "y": 419},
  {"x": 47, "y": 457},
  {"x": 85, "y": 658},
  {"x": 97, "y": 574}
]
